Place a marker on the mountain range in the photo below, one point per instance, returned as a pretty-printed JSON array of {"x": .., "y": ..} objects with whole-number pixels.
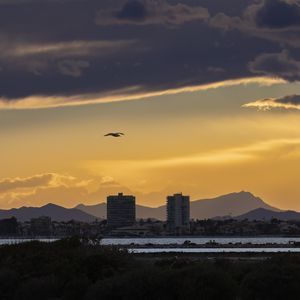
[
  {"x": 236, "y": 205},
  {"x": 264, "y": 214},
  {"x": 233, "y": 204},
  {"x": 55, "y": 212}
]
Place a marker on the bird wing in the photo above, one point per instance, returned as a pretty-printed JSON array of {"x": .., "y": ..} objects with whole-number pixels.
[{"x": 115, "y": 134}]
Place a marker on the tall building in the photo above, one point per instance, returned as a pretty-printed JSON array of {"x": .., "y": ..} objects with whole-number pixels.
[
  {"x": 120, "y": 210},
  {"x": 178, "y": 213}
]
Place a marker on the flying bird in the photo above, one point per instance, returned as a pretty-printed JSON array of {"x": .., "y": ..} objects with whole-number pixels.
[{"x": 115, "y": 134}]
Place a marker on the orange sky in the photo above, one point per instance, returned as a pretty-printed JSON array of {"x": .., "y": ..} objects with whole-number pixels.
[{"x": 201, "y": 142}]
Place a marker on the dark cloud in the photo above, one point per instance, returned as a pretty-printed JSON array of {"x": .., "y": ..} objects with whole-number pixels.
[
  {"x": 277, "y": 64},
  {"x": 149, "y": 12},
  {"x": 73, "y": 68},
  {"x": 86, "y": 49},
  {"x": 16, "y": 2},
  {"x": 278, "y": 14},
  {"x": 225, "y": 22},
  {"x": 294, "y": 99},
  {"x": 287, "y": 102},
  {"x": 274, "y": 20},
  {"x": 133, "y": 11}
]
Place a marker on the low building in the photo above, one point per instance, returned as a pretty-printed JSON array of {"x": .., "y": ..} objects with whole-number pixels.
[{"x": 133, "y": 231}]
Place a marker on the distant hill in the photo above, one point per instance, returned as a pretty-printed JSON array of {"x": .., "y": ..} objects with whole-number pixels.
[
  {"x": 265, "y": 214},
  {"x": 98, "y": 210},
  {"x": 142, "y": 212},
  {"x": 57, "y": 213},
  {"x": 233, "y": 204}
]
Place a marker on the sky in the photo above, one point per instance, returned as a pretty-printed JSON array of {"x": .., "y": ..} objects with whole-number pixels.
[{"x": 207, "y": 93}]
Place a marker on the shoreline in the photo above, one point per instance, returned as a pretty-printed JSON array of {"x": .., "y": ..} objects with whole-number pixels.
[
  {"x": 182, "y": 244},
  {"x": 187, "y": 237}
]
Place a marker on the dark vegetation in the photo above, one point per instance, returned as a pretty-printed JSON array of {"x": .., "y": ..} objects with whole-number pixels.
[{"x": 71, "y": 269}]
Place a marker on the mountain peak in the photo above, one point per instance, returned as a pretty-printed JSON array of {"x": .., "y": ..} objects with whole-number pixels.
[
  {"x": 51, "y": 205},
  {"x": 243, "y": 194}
]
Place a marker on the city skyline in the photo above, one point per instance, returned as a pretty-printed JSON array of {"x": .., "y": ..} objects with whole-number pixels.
[
  {"x": 177, "y": 209},
  {"x": 206, "y": 93}
]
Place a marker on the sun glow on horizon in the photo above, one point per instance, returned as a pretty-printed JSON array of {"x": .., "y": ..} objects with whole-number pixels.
[{"x": 173, "y": 142}]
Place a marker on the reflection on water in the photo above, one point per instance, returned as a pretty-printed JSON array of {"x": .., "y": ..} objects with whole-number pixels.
[
  {"x": 18, "y": 241},
  {"x": 174, "y": 244},
  {"x": 214, "y": 250},
  {"x": 201, "y": 240}
]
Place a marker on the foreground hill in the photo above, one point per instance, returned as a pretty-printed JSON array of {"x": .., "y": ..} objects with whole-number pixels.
[
  {"x": 265, "y": 214},
  {"x": 57, "y": 213},
  {"x": 233, "y": 204}
]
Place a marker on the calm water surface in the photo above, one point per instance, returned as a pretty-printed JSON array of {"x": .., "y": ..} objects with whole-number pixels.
[
  {"x": 18, "y": 241},
  {"x": 196, "y": 240},
  {"x": 200, "y": 240},
  {"x": 215, "y": 250}
]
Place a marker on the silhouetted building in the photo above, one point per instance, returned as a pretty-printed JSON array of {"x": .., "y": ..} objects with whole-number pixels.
[
  {"x": 120, "y": 211},
  {"x": 41, "y": 226},
  {"x": 178, "y": 213},
  {"x": 9, "y": 227}
]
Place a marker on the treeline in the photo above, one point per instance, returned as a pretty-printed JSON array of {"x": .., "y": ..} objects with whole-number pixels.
[
  {"x": 72, "y": 270},
  {"x": 233, "y": 227}
]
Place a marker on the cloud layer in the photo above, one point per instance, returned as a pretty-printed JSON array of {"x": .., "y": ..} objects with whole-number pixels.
[
  {"x": 61, "y": 189},
  {"x": 149, "y": 12},
  {"x": 276, "y": 64},
  {"x": 278, "y": 14},
  {"x": 288, "y": 102},
  {"x": 74, "y": 49}
]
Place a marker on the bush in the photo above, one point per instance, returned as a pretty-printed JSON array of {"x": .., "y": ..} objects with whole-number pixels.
[
  {"x": 39, "y": 288},
  {"x": 8, "y": 283},
  {"x": 209, "y": 283},
  {"x": 166, "y": 284},
  {"x": 69, "y": 270},
  {"x": 276, "y": 279},
  {"x": 76, "y": 288}
]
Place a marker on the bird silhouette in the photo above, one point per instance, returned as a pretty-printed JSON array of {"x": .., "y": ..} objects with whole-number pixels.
[{"x": 115, "y": 134}]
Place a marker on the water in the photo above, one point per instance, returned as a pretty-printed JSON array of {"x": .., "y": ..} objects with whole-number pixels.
[
  {"x": 200, "y": 240},
  {"x": 172, "y": 242},
  {"x": 19, "y": 241},
  {"x": 214, "y": 250}
]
